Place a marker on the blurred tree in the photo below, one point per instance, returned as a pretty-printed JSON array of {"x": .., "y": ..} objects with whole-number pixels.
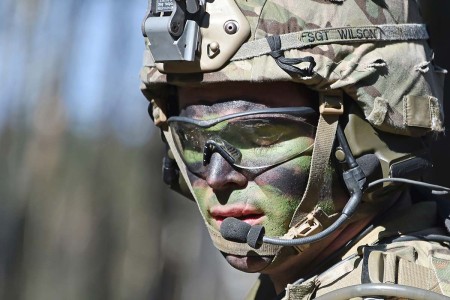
[{"x": 84, "y": 213}]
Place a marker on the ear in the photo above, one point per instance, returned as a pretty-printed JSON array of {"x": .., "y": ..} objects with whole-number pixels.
[{"x": 171, "y": 175}]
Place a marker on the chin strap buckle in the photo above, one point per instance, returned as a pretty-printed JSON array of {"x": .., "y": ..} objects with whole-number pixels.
[{"x": 309, "y": 226}]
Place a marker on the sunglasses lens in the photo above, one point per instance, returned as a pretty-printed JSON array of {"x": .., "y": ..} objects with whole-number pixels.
[{"x": 260, "y": 141}]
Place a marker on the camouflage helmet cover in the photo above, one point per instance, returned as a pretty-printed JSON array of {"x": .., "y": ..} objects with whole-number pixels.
[{"x": 386, "y": 69}]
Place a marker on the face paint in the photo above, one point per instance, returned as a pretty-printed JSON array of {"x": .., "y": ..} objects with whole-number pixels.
[{"x": 269, "y": 197}]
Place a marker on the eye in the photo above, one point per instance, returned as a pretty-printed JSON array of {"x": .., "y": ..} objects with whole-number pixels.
[
  {"x": 258, "y": 132},
  {"x": 267, "y": 134},
  {"x": 189, "y": 138},
  {"x": 267, "y": 139}
]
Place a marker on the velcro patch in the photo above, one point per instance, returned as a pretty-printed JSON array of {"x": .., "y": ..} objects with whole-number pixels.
[{"x": 418, "y": 111}]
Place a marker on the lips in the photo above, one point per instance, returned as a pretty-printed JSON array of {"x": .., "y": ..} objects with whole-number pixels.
[{"x": 246, "y": 213}]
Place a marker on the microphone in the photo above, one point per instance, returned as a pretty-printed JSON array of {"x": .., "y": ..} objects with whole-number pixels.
[
  {"x": 235, "y": 230},
  {"x": 371, "y": 167}
]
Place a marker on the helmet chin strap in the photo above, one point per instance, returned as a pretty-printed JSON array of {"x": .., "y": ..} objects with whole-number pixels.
[
  {"x": 308, "y": 219},
  {"x": 331, "y": 108}
]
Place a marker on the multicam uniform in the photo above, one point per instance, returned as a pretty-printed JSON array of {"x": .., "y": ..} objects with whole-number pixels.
[
  {"x": 376, "y": 53},
  {"x": 378, "y": 258}
]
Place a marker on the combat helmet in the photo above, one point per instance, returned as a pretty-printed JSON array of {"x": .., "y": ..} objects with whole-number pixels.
[{"x": 369, "y": 61}]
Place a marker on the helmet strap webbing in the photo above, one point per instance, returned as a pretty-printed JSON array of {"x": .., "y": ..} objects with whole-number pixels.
[{"x": 331, "y": 107}]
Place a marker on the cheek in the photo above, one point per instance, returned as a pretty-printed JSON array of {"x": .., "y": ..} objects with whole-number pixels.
[
  {"x": 289, "y": 178},
  {"x": 201, "y": 191},
  {"x": 283, "y": 187}
]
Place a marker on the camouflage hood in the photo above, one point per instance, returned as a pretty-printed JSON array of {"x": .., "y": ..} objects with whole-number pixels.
[{"x": 374, "y": 50}]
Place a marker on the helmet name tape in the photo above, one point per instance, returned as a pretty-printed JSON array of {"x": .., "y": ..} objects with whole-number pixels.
[{"x": 308, "y": 38}]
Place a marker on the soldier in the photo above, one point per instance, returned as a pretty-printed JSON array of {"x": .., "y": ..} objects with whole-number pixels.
[{"x": 301, "y": 130}]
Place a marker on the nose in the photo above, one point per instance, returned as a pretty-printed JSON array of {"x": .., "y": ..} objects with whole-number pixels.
[{"x": 220, "y": 175}]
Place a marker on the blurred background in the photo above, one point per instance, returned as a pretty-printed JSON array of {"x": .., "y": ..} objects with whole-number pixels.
[{"x": 83, "y": 210}]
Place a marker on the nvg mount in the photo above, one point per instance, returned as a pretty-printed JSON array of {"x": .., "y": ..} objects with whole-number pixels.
[{"x": 190, "y": 36}]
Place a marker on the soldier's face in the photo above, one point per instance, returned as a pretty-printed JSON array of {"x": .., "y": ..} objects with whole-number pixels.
[{"x": 268, "y": 198}]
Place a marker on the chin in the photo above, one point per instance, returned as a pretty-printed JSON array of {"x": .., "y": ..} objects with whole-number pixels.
[{"x": 248, "y": 264}]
